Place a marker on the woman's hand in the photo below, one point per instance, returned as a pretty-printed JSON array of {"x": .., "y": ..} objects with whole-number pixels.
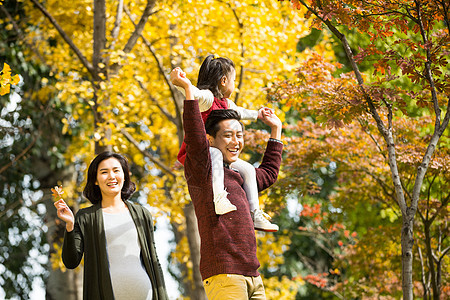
[{"x": 65, "y": 214}]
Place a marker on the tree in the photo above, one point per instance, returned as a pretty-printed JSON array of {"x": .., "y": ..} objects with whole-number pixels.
[
  {"x": 112, "y": 61},
  {"x": 410, "y": 85},
  {"x": 30, "y": 163}
]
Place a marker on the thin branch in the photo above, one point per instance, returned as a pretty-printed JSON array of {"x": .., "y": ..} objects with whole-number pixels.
[
  {"x": 115, "y": 31},
  {"x": 20, "y": 34},
  {"x": 13, "y": 206},
  {"x": 140, "y": 26},
  {"x": 159, "y": 163},
  {"x": 241, "y": 44},
  {"x": 178, "y": 105},
  {"x": 430, "y": 184},
  {"x": 63, "y": 34},
  {"x": 153, "y": 52},
  {"x": 444, "y": 253},
  {"x": 428, "y": 74},
  {"x": 422, "y": 266},
  {"x": 446, "y": 13},
  {"x": 162, "y": 109},
  {"x": 443, "y": 205},
  {"x": 421, "y": 170},
  {"x": 21, "y": 154}
]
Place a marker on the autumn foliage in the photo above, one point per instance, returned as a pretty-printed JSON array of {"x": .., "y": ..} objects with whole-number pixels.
[
  {"x": 6, "y": 80},
  {"x": 385, "y": 137}
]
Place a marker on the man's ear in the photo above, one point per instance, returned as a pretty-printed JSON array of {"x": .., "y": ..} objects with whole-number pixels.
[{"x": 210, "y": 139}]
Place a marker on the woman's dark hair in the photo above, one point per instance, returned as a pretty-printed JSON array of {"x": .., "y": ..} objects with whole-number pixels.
[
  {"x": 92, "y": 191},
  {"x": 211, "y": 72},
  {"x": 218, "y": 115}
]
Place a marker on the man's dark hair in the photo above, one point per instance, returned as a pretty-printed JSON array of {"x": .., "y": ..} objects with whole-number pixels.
[
  {"x": 218, "y": 115},
  {"x": 92, "y": 191},
  {"x": 211, "y": 72}
]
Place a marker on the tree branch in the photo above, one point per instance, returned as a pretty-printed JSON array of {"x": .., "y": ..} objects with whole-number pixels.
[
  {"x": 159, "y": 163},
  {"x": 115, "y": 31},
  {"x": 443, "y": 205},
  {"x": 20, "y": 35},
  {"x": 21, "y": 154},
  {"x": 241, "y": 43},
  {"x": 162, "y": 109},
  {"x": 66, "y": 38},
  {"x": 444, "y": 253},
  {"x": 140, "y": 26},
  {"x": 422, "y": 267},
  {"x": 178, "y": 104}
]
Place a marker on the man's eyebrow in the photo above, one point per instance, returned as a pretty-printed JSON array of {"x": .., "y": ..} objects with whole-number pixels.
[{"x": 230, "y": 130}]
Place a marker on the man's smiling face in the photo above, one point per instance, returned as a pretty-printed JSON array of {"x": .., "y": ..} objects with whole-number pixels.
[{"x": 229, "y": 140}]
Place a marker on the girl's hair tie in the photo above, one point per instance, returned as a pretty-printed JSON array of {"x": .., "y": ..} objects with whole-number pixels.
[{"x": 215, "y": 56}]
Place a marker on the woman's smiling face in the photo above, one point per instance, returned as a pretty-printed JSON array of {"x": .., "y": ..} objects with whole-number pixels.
[{"x": 110, "y": 176}]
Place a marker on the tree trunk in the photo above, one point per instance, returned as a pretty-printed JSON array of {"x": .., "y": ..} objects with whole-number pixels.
[
  {"x": 66, "y": 285},
  {"x": 407, "y": 243},
  {"x": 432, "y": 271},
  {"x": 198, "y": 292}
]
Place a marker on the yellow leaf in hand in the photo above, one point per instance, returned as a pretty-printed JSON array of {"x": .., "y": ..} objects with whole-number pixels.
[{"x": 57, "y": 192}]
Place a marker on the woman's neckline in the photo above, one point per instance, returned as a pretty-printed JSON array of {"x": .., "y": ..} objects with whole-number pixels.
[{"x": 120, "y": 212}]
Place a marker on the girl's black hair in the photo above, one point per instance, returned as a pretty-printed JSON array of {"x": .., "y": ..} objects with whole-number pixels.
[
  {"x": 216, "y": 116},
  {"x": 92, "y": 191},
  {"x": 211, "y": 72}
]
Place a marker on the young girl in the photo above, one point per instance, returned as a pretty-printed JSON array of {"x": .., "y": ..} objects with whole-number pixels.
[
  {"x": 114, "y": 235},
  {"x": 215, "y": 85}
]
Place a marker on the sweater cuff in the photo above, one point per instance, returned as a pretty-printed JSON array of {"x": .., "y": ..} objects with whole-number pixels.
[{"x": 275, "y": 140}]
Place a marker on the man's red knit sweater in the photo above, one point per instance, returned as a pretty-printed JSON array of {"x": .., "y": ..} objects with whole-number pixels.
[{"x": 228, "y": 243}]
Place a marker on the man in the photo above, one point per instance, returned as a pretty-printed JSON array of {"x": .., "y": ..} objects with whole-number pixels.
[{"x": 228, "y": 264}]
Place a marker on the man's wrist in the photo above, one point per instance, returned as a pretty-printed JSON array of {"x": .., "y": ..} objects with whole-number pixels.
[
  {"x": 189, "y": 91},
  {"x": 275, "y": 132}
]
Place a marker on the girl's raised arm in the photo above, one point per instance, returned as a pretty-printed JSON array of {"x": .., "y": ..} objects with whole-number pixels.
[{"x": 205, "y": 97}]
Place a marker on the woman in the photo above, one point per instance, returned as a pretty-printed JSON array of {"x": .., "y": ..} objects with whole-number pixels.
[{"x": 115, "y": 236}]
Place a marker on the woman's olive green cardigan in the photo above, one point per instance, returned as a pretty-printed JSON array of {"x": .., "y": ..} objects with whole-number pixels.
[{"x": 88, "y": 237}]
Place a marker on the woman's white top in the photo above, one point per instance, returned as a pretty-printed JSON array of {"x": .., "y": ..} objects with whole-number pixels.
[{"x": 128, "y": 276}]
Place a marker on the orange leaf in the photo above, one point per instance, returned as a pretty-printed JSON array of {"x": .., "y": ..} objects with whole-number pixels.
[{"x": 57, "y": 192}]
